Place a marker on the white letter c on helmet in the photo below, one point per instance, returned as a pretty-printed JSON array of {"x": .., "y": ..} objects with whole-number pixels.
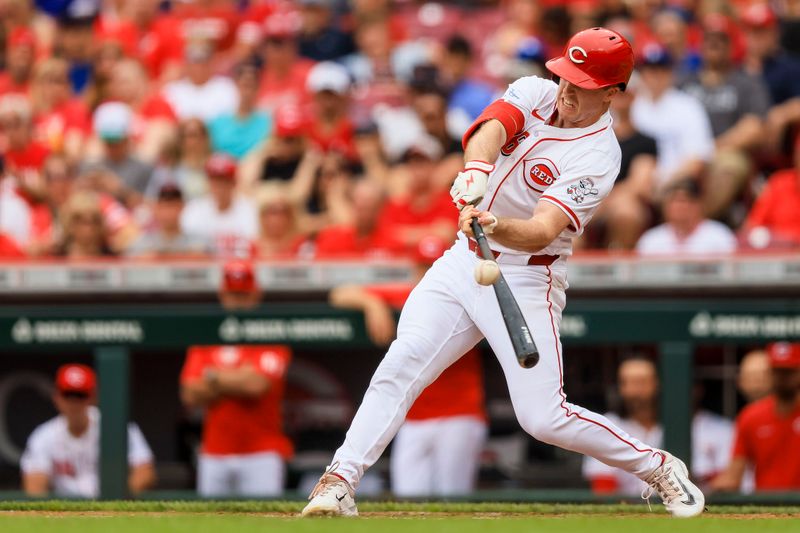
[{"x": 577, "y": 49}]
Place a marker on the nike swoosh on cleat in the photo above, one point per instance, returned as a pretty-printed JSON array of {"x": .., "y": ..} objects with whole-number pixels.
[
  {"x": 691, "y": 500},
  {"x": 340, "y": 498}
]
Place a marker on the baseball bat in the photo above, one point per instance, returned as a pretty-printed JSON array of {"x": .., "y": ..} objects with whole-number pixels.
[{"x": 521, "y": 338}]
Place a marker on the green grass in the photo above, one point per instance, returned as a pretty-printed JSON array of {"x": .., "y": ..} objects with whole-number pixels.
[
  {"x": 253, "y": 516},
  {"x": 250, "y": 523}
]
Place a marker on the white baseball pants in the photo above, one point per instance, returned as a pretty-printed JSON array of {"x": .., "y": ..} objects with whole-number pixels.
[
  {"x": 253, "y": 475},
  {"x": 446, "y": 315},
  {"x": 439, "y": 456}
]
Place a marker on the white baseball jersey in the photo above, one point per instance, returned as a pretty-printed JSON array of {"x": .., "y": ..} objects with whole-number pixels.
[
  {"x": 72, "y": 462},
  {"x": 571, "y": 168}
]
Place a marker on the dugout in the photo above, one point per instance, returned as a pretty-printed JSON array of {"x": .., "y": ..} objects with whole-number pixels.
[{"x": 135, "y": 321}]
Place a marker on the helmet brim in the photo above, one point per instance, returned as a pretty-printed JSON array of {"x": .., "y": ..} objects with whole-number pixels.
[{"x": 566, "y": 69}]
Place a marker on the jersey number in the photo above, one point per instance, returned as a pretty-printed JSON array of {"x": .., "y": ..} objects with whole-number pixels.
[{"x": 514, "y": 143}]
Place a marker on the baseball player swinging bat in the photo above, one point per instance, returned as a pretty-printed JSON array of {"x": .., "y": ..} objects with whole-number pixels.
[
  {"x": 539, "y": 161},
  {"x": 518, "y": 331}
]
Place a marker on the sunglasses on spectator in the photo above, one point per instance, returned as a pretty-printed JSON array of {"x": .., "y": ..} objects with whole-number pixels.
[
  {"x": 278, "y": 41},
  {"x": 74, "y": 395}
]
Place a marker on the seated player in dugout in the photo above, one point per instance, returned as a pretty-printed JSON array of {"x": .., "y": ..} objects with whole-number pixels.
[
  {"x": 538, "y": 163},
  {"x": 638, "y": 414},
  {"x": 768, "y": 430},
  {"x": 240, "y": 389},
  {"x": 63, "y": 454},
  {"x": 437, "y": 450}
]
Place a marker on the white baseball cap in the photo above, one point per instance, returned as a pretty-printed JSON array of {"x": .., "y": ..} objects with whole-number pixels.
[
  {"x": 112, "y": 121},
  {"x": 328, "y": 76}
]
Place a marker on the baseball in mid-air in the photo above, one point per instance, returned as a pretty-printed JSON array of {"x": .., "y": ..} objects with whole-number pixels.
[{"x": 487, "y": 272}]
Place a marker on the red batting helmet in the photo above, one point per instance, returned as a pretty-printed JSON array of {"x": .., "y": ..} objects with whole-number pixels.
[{"x": 595, "y": 58}]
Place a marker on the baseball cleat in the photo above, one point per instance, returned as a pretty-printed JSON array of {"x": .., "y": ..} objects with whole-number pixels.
[
  {"x": 332, "y": 496},
  {"x": 671, "y": 481}
]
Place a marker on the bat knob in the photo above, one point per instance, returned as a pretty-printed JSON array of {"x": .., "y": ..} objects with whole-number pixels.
[{"x": 530, "y": 361}]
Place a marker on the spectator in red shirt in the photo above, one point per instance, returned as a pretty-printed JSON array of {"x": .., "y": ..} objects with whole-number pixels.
[
  {"x": 366, "y": 236},
  {"x": 154, "y": 123},
  {"x": 423, "y": 208},
  {"x": 60, "y": 121},
  {"x": 437, "y": 450},
  {"x": 24, "y": 158},
  {"x": 330, "y": 127},
  {"x": 144, "y": 32},
  {"x": 214, "y": 21},
  {"x": 20, "y": 58},
  {"x": 9, "y": 249},
  {"x": 241, "y": 389},
  {"x": 283, "y": 80},
  {"x": 768, "y": 430},
  {"x": 23, "y": 155},
  {"x": 774, "y": 219}
]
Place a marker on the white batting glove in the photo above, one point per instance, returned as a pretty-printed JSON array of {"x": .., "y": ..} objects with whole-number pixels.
[{"x": 469, "y": 187}]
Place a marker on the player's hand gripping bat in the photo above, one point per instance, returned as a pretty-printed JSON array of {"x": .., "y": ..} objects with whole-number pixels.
[{"x": 521, "y": 338}]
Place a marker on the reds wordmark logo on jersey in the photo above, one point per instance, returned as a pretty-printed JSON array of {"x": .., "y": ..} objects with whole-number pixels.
[{"x": 540, "y": 173}]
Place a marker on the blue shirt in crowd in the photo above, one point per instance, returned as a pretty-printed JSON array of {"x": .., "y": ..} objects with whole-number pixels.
[{"x": 236, "y": 136}]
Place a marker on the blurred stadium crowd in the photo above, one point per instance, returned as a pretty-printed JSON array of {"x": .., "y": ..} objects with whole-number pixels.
[{"x": 322, "y": 128}]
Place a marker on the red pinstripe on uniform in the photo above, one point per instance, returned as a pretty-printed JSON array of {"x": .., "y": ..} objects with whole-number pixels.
[
  {"x": 564, "y": 207},
  {"x": 567, "y": 412}
]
